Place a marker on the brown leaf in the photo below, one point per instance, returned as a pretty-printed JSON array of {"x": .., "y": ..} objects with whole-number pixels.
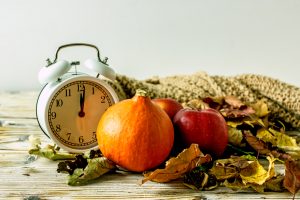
[
  {"x": 199, "y": 179},
  {"x": 196, "y": 104},
  {"x": 256, "y": 144},
  {"x": 223, "y": 173},
  {"x": 187, "y": 160},
  {"x": 233, "y": 101},
  {"x": 214, "y": 102},
  {"x": 230, "y": 167},
  {"x": 292, "y": 176},
  {"x": 274, "y": 184},
  {"x": 237, "y": 113},
  {"x": 262, "y": 148}
]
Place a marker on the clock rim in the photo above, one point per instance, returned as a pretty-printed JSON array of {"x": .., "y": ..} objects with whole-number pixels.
[{"x": 52, "y": 88}]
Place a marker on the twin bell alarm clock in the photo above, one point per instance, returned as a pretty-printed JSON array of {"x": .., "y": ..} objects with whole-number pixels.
[{"x": 71, "y": 104}]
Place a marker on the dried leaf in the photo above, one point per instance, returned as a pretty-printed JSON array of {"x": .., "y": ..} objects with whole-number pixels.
[
  {"x": 235, "y": 123},
  {"x": 255, "y": 172},
  {"x": 247, "y": 168},
  {"x": 240, "y": 162},
  {"x": 274, "y": 184},
  {"x": 95, "y": 168},
  {"x": 229, "y": 168},
  {"x": 261, "y": 108},
  {"x": 199, "y": 179},
  {"x": 69, "y": 166},
  {"x": 187, "y": 160},
  {"x": 250, "y": 120},
  {"x": 254, "y": 121},
  {"x": 292, "y": 176},
  {"x": 224, "y": 172},
  {"x": 51, "y": 152},
  {"x": 277, "y": 139},
  {"x": 214, "y": 102},
  {"x": 196, "y": 104},
  {"x": 256, "y": 144},
  {"x": 237, "y": 184},
  {"x": 262, "y": 148},
  {"x": 237, "y": 113},
  {"x": 235, "y": 137},
  {"x": 284, "y": 141},
  {"x": 233, "y": 101}
]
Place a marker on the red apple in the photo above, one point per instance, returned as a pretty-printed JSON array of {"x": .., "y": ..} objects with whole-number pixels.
[
  {"x": 205, "y": 127},
  {"x": 170, "y": 106}
]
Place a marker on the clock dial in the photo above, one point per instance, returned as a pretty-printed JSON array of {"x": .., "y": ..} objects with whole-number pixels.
[{"x": 74, "y": 112}]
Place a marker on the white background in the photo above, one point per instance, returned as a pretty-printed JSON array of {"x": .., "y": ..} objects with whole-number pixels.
[{"x": 155, "y": 37}]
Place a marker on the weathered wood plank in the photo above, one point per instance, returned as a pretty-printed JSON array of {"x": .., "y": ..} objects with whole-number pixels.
[{"x": 21, "y": 179}]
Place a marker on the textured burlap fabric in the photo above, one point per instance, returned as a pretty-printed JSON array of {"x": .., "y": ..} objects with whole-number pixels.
[{"x": 283, "y": 99}]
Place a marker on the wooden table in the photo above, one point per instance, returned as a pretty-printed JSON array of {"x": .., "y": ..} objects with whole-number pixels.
[{"x": 20, "y": 179}]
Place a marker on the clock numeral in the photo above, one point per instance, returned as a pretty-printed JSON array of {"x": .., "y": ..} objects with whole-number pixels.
[
  {"x": 93, "y": 90},
  {"x": 94, "y": 136},
  {"x": 102, "y": 99},
  {"x": 53, "y": 115},
  {"x": 68, "y": 92},
  {"x": 59, "y": 102},
  {"x": 69, "y": 135},
  {"x": 58, "y": 128},
  {"x": 81, "y": 140},
  {"x": 80, "y": 87}
]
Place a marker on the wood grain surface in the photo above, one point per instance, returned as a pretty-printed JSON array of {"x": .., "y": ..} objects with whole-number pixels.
[{"x": 25, "y": 177}]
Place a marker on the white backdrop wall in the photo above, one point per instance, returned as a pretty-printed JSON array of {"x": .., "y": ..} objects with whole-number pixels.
[{"x": 155, "y": 37}]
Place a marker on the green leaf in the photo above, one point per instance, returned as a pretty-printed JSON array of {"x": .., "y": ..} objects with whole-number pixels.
[
  {"x": 95, "y": 168},
  {"x": 51, "y": 152},
  {"x": 235, "y": 136}
]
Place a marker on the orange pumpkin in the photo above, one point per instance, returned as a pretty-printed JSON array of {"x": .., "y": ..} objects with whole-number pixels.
[{"x": 135, "y": 133}]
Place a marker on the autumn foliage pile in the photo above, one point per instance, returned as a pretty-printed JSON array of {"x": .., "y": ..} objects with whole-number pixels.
[{"x": 254, "y": 137}]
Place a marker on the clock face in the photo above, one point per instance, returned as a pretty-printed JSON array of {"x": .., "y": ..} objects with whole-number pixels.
[{"x": 74, "y": 112}]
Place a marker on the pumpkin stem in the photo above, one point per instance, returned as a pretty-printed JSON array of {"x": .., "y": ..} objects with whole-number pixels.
[{"x": 141, "y": 92}]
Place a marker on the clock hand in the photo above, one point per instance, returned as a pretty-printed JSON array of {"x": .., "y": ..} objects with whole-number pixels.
[{"x": 81, "y": 101}]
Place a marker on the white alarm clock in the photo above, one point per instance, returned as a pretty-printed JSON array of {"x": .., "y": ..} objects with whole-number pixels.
[{"x": 71, "y": 104}]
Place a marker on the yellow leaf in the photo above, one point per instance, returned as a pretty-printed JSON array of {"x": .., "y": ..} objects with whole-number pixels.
[
  {"x": 266, "y": 136},
  {"x": 234, "y": 124},
  {"x": 283, "y": 140},
  {"x": 255, "y": 173},
  {"x": 278, "y": 139},
  {"x": 274, "y": 184},
  {"x": 255, "y": 122},
  {"x": 223, "y": 173},
  {"x": 230, "y": 167},
  {"x": 235, "y": 136},
  {"x": 176, "y": 167},
  {"x": 261, "y": 108}
]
